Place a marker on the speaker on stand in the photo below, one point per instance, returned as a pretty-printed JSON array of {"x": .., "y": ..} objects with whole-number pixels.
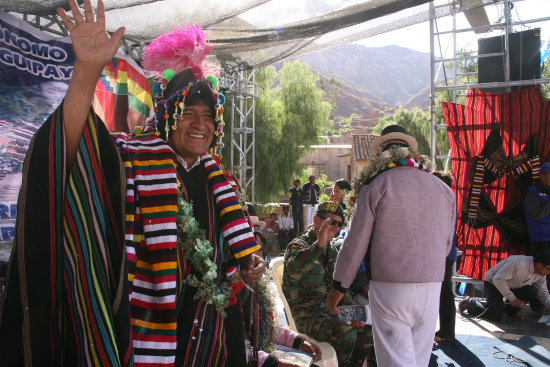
[{"x": 524, "y": 58}]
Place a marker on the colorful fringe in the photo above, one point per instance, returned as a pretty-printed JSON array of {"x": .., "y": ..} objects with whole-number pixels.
[{"x": 482, "y": 165}]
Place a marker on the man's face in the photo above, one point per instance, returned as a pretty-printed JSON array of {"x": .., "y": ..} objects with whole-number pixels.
[
  {"x": 194, "y": 132},
  {"x": 285, "y": 212},
  {"x": 545, "y": 179},
  {"x": 542, "y": 269},
  {"x": 312, "y": 179},
  {"x": 296, "y": 184},
  {"x": 333, "y": 230}
]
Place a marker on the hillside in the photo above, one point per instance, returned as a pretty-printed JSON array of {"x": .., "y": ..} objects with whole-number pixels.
[{"x": 374, "y": 79}]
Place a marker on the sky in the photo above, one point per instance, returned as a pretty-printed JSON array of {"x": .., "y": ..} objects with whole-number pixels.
[{"x": 417, "y": 37}]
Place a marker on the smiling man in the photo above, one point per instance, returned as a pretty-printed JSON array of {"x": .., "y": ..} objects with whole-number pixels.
[
  {"x": 136, "y": 244},
  {"x": 194, "y": 132}
]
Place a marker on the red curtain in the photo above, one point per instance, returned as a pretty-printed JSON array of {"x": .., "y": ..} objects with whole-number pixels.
[{"x": 517, "y": 115}]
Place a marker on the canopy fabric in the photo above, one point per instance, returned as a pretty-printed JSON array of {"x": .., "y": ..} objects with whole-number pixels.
[{"x": 238, "y": 42}]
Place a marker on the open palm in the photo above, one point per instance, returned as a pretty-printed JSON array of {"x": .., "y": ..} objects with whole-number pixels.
[{"x": 91, "y": 43}]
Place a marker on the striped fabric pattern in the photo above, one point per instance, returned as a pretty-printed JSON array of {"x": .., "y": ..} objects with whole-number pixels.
[
  {"x": 402, "y": 162},
  {"x": 235, "y": 227},
  {"x": 151, "y": 243},
  {"x": 519, "y": 114},
  {"x": 89, "y": 231},
  {"x": 409, "y": 162},
  {"x": 86, "y": 255}
]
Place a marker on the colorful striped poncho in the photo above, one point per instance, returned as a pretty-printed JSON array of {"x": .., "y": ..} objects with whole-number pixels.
[
  {"x": 95, "y": 275},
  {"x": 151, "y": 208}
]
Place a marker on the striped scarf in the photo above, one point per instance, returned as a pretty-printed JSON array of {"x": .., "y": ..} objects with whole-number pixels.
[
  {"x": 151, "y": 240},
  {"x": 402, "y": 162}
]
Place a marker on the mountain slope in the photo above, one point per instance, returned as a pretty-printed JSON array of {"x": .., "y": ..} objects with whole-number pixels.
[{"x": 379, "y": 77}]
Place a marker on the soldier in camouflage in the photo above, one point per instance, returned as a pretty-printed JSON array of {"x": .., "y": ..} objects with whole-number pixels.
[{"x": 307, "y": 276}]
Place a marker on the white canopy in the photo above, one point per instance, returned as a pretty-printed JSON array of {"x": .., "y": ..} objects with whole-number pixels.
[{"x": 238, "y": 43}]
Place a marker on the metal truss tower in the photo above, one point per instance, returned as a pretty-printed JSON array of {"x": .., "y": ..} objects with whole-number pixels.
[{"x": 241, "y": 89}]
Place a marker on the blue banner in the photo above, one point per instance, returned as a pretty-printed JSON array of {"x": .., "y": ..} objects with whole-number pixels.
[{"x": 35, "y": 68}]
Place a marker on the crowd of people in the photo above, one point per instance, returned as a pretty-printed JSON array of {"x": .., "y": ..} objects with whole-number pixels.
[
  {"x": 149, "y": 256},
  {"x": 406, "y": 298},
  {"x": 290, "y": 223}
]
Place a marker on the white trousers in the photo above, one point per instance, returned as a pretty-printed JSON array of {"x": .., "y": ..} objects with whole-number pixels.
[
  {"x": 310, "y": 212},
  {"x": 404, "y": 318}
]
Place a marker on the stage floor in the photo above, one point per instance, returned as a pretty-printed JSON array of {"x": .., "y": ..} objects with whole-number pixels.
[{"x": 514, "y": 341}]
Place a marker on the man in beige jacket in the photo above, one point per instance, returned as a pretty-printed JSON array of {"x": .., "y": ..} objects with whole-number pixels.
[{"x": 404, "y": 217}]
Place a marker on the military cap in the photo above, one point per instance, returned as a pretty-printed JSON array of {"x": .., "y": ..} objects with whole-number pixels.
[{"x": 328, "y": 207}]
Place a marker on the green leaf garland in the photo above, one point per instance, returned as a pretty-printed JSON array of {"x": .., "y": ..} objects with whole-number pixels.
[{"x": 197, "y": 250}]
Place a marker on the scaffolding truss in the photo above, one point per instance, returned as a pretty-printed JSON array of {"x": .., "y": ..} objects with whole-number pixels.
[
  {"x": 241, "y": 89},
  {"x": 440, "y": 61},
  {"x": 237, "y": 49}
]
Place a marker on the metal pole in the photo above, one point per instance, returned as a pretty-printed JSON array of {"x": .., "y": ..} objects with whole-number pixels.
[
  {"x": 432, "y": 86},
  {"x": 253, "y": 109},
  {"x": 507, "y": 41}
]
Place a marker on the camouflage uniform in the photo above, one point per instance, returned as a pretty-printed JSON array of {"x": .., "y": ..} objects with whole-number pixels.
[{"x": 307, "y": 277}]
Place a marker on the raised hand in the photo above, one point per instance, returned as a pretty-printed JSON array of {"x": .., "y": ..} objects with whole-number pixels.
[
  {"x": 326, "y": 233},
  {"x": 92, "y": 44},
  {"x": 93, "y": 49}
]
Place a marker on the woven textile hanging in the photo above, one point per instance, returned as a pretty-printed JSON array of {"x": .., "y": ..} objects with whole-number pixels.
[{"x": 497, "y": 144}]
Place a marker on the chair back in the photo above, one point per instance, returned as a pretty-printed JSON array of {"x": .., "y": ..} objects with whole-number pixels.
[
  {"x": 329, "y": 354},
  {"x": 277, "y": 265}
]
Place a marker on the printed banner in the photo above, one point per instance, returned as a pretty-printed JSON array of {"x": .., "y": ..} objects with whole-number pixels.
[{"x": 35, "y": 69}]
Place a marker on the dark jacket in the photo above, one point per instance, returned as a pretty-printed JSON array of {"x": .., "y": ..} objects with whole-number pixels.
[{"x": 537, "y": 212}]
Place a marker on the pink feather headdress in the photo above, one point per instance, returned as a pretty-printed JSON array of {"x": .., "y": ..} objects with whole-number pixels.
[{"x": 185, "y": 47}]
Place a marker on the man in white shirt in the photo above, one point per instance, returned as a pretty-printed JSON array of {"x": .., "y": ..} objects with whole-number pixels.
[
  {"x": 520, "y": 279},
  {"x": 286, "y": 228}
]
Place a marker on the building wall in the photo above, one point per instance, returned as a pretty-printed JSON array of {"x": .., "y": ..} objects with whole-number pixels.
[
  {"x": 357, "y": 167},
  {"x": 333, "y": 160}
]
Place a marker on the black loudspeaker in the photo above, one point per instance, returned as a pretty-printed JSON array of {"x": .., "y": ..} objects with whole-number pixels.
[{"x": 524, "y": 58}]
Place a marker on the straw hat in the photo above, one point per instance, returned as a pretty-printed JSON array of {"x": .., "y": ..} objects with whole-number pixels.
[
  {"x": 257, "y": 223},
  {"x": 393, "y": 134}
]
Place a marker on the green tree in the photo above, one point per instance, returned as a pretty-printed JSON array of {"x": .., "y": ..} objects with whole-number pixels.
[
  {"x": 545, "y": 88},
  {"x": 417, "y": 123},
  {"x": 333, "y": 91},
  {"x": 342, "y": 126},
  {"x": 289, "y": 118}
]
